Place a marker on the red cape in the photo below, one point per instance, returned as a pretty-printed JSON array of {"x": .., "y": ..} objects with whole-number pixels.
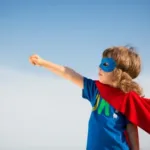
[{"x": 134, "y": 107}]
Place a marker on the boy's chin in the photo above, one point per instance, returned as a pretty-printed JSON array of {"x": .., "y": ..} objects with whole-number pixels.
[{"x": 103, "y": 82}]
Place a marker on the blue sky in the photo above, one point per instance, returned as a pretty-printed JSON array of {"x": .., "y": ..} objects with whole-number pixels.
[{"x": 72, "y": 33}]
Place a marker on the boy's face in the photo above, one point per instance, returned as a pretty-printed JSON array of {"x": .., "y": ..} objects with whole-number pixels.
[
  {"x": 106, "y": 69},
  {"x": 105, "y": 77}
]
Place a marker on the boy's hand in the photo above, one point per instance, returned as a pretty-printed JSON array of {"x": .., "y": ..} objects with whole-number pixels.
[{"x": 36, "y": 60}]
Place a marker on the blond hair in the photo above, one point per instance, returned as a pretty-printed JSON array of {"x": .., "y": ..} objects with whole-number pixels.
[{"x": 128, "y": 68}]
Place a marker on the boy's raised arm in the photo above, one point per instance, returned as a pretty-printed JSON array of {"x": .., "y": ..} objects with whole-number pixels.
[{"x": 62, "y": 71}]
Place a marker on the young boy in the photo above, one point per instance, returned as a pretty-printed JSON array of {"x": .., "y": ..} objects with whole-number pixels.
[{"x": 107, "y": 126}]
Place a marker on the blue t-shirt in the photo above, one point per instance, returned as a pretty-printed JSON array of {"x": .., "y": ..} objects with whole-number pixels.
[{"x": 106, "y": 125}]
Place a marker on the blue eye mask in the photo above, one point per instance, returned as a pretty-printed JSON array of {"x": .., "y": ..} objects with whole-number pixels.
[{"x": 108, "y": 64}]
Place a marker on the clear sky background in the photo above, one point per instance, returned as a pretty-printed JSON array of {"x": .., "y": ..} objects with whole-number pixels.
[{"x": 39, "y": 110}]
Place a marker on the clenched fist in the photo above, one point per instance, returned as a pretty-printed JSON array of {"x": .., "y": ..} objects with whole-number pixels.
[{"x": 36, "y": 60}]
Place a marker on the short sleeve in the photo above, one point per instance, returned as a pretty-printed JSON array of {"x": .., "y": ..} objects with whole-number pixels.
[
  {"x": 89, "y": 90},
  {"x": 127, "y": 121}
]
